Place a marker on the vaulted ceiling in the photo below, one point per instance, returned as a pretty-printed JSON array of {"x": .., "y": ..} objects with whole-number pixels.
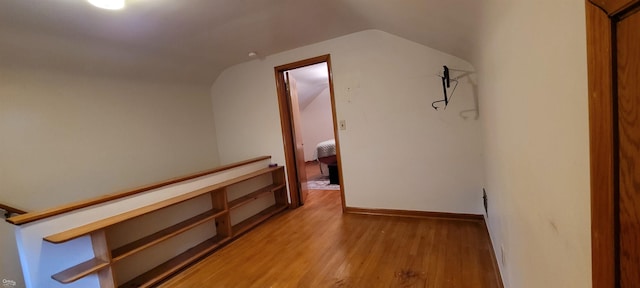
[
  {"x": 194, "y": 40},
  {"x": 310, "y": 81}
]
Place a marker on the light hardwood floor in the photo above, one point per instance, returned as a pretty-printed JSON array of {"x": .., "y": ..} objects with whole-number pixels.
[
  {"x": 318, "y": 246},
  {"x": 313, "y": 170}
]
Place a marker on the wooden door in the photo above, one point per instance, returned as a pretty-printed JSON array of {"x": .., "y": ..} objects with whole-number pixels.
[
  {"x": 613, "y": 45},
  {"x": 284, "y": 103},
  {"x": 628, "y": 58},
  {"x": 296, "y": 125}
]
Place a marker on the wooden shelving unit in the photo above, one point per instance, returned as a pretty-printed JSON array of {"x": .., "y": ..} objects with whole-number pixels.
[{"x": 218, "y": 215}]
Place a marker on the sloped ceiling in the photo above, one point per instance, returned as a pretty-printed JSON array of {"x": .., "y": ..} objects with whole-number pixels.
[
  {"x": 311, "y": 81},
  {"x": 194, "y": 40}
]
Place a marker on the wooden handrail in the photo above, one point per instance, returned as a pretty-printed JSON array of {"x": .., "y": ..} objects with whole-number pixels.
[
  {"x": 34, "y": 216},
  {"x": 10, "y": 210},
  {"x": 104, "y": 223}
]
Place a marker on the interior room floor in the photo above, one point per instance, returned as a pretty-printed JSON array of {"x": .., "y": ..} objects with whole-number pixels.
[
  {"x": 318, "y": 246},
  {"x": 313, "y": 170}
]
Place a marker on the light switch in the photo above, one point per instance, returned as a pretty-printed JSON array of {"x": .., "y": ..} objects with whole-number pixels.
[{"x": 343, "y": 125}]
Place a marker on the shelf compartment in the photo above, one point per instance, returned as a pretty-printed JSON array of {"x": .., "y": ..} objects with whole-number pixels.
[
  {"x": 164, "y": 234},
  {"x": 166, "y": 269},
  {"x": 254, "y": 195},
  {"x": 257, "y": 219},
  {"x": 81, "y": 270}
]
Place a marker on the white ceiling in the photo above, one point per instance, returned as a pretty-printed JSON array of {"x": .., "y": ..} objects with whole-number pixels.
[
  {"x": 194, "y": 40},
  {"x": 310, "y": 81}
]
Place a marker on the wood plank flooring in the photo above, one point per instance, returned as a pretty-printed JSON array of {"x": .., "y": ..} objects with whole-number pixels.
[
  {"x": 313, "y": 170},
  {"x": 318, "y": 246}
]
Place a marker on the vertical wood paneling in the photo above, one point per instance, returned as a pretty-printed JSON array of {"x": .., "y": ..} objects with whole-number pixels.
[
  {"x": 628, "y": 64},
  {"x": 600, "y": 65},
  {"x": 613, "y": 45}
]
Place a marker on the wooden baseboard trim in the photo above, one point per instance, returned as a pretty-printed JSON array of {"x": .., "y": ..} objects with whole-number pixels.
[{"x": 413, "y": 214}]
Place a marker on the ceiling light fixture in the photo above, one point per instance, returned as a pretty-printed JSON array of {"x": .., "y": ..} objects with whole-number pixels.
[{"x": 108, "y": 4}]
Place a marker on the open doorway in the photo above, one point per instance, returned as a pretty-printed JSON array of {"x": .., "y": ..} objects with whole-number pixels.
[{"x": 309, "y": 127}]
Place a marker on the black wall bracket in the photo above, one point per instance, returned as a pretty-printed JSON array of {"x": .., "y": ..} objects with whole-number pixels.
[{"x": 446, "y": 84}]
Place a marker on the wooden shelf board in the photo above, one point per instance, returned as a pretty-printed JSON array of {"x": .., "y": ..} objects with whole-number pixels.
[
  {"x": 101, "y": 224},
  {"x": 254, "y": 195},
  {"x": 83, "y": 269},
  {"x": 257, "y": 219},
  {"x": 166, "y": 269},
  {"x": 33, "y": 216},
  {"x": 164, "y": 234}
]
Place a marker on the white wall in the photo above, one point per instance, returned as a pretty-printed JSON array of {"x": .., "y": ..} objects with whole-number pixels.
[
  {"x": 317, "y": 123},
  {"x": 533, "y": 93},
  {"x": 10, "y": 269},
  {"x": 69, "y": 137},
  {"x": 421, "y": 159}
]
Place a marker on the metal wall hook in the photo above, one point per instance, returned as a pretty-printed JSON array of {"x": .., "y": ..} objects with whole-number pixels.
[
  {"x": 446, "y": 83},
  {"x": 436, "y": 107}
]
